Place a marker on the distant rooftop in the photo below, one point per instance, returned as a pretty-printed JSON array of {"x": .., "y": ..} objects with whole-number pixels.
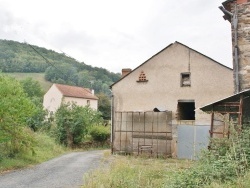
[{"x": 75, "y": 91}]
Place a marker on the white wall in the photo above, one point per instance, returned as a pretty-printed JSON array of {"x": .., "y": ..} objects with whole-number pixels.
[
  {"x": 52, "y": 99},
  {"x": 210, "y": 81},
  {"x": 82, "y": 102}
]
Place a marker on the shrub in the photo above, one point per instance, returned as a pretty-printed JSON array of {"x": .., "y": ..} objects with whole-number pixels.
[
  {"x": 100, "y": 133},
  {"x": 227, "y": 160},
  {"x": 73, "y": 123},
  {"x": 16, "y": 109}
]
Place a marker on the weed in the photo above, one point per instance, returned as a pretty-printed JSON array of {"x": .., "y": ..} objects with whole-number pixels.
[
  {"x": 227, "y": 161},
  {"x": 131, "y": 171},
  {"x": 45, "y": 150}
]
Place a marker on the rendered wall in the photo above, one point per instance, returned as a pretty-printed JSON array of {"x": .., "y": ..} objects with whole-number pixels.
[
  {"x": 52, "y": 99},
  {"x": 210, "y": 81},
  {"x": 82, "y": 102}
]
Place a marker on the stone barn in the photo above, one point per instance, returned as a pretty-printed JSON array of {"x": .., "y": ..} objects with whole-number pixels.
[
  {"x": 153, "y": 106},
  {"x": 234, "y": 109}
]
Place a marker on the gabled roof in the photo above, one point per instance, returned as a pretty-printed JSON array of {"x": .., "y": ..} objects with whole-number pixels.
[
  {"x": 165, "y": 49},
  {"x": 74, "y": 91}
]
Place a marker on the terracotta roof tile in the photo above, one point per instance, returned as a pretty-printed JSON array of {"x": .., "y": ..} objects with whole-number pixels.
[{"x": 74, "y": 91}]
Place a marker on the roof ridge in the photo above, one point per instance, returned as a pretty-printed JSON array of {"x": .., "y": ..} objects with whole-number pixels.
[
  {"x": 162, "y": 51},
  {"x": 75, "y": 91}
]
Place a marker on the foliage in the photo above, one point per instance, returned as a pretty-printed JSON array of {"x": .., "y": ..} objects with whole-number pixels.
[
  {"x": 62, "y": 74},
  {"x": 15, "y": 109},
  {"x": 127, "y": 171},
  {"x": 20, "y": 57},
  {"x": 58, "y": 67},
  {"x": 96, "y": 79},
  {"x": 73, "y": 122},
  {"x": 104, "y": 106},
  {"x": 34, "y": 91},
  {"x": 39, "y": 120},
  {"x": 32, "y": 87},
  {"x": 227, "y": 160},
  {"x": 45, "y": 149},
  {"x": 100, "y": 133},
  {"x": 35, "y": 76}
]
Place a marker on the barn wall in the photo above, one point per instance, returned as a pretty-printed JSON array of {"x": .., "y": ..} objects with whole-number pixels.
[{"x": 210, "y": 81}]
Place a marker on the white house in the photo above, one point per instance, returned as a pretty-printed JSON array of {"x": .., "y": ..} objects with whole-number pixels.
[{"x": 58, "y": 94}]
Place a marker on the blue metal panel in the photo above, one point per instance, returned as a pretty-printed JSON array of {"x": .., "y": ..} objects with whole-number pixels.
[
  {"x": 191, "y": 140},
  {"x": 202, "y": 139},
  {"x": 185, "y": 142}
]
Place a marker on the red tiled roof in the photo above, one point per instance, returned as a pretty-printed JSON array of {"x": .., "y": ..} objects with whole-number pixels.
[{"x": 74, "y": 91}]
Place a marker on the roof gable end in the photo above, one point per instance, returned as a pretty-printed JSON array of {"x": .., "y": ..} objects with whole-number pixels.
[{"x": 176, "y": 42}]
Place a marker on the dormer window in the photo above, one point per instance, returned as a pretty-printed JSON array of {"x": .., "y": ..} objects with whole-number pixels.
[
  {"x": 142, "y": 77},
  {"x": 185, "y": 79}
]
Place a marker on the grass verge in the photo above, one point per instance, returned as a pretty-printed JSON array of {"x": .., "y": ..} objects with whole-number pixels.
[
  {"x": 131, "y": 171},
  {"x": 45, "y": 150}
]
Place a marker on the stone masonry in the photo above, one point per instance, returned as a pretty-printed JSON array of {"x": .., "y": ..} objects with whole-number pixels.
[{"x": 242, "y": 9}]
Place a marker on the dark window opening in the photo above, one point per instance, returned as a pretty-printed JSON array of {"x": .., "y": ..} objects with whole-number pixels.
[
  {"x": 185, "y": 79},
  {"x": 186, "y": 111}
]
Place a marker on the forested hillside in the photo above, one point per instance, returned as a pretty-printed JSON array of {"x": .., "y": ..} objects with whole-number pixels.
[{"x": 58, "y": 68}]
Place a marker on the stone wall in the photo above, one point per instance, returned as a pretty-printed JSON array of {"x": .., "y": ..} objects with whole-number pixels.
[{"x": 243, "y": 44}]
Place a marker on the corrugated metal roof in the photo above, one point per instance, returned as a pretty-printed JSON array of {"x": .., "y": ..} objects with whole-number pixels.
[
  {"x": 74, "y": 91},
  {"x": 233, "y": 98}
]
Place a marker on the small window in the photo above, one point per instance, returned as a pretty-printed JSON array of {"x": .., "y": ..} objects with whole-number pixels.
[
  {"x": 88, "y": 102},
  {"x": 185, "y": 110},
  {"x": 185, "y": 79}
]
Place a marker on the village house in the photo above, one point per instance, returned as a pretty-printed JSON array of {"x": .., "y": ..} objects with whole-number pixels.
[
  {"x": 58, "y": 94},
  {"x": 153, "y": 106}
]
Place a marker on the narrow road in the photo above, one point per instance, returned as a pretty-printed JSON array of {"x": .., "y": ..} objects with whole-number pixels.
[{"x": 62, "y": 172}]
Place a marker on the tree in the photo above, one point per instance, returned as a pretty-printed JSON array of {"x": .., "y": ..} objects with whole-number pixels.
[
  {"x": 15, "y": 109},
  {"x": 104, "y": 106},
  {"x": 73, "y": 123},
  {"x": 34, "y": 91},
  {"x": 32, "y": 87},
  {"x": 62, "y": 72}
]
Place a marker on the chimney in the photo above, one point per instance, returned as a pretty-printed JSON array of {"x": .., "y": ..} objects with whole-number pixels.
[
  {"x": 125, "y": 71},
  {"x": 238, "y": 11}
]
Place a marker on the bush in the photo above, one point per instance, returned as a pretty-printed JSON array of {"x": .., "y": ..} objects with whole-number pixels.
[
  {"x": 73, "y": 123},
  {"x": 227, "y": 160},
  {"x": 100, "y": 133},
  {"x": 16, "y": 109}
]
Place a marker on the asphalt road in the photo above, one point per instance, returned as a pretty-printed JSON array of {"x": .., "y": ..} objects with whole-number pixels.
[{"x": 64, "y": 172}]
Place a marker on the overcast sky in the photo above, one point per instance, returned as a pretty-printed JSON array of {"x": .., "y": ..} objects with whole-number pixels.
[{"x": 116, "y": 34}]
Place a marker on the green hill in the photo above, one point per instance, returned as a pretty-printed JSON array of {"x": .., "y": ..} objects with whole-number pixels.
[
  {"x": 35, "y": 76},
  {"x": 18, "y": 58}
]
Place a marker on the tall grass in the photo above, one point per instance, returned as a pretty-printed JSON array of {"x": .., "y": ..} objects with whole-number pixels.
[
  {"x": 225, "y": 165},
  {"x": 126, "y": 171},
  {"x": 45, "y": 149}
]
